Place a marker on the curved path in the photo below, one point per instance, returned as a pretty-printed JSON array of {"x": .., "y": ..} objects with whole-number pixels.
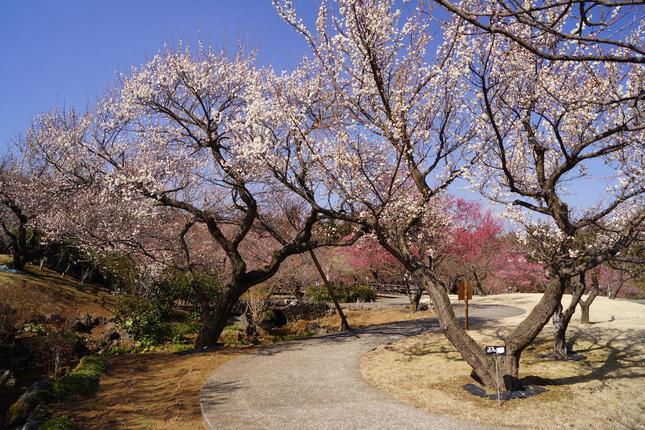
[{"x": 316, "y": 383}]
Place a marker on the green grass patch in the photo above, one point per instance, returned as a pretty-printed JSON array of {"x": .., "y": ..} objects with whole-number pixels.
[
  {"x": 58, "y": 423},
  {"x": 82, "y": 381}
]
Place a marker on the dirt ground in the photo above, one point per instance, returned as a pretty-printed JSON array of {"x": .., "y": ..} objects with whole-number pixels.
[
  {"x": 161, "y": 390},
  {"x": 602, "y": 391},
  {"x": 46, "y": 292},
  {"x": 148, "y": 391}
]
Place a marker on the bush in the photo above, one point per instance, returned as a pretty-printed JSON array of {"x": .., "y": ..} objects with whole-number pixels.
[
  {"x": 141, "y": 319},
  {"x": 180, "y": 332},
  {"x": 344, "y": 293},
  {"x": 361, "y": 293},
  {"x": 58, "y": 423},
  {"x": 82, "y": 381},
  {"x": 317, "y": 294},
  {"x": 37, "y": 329}
]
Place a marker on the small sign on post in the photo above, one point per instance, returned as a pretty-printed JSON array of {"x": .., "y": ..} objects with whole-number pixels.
[
  {"x": 495, "y": 350},
  {"x": 465, "y": 293}
]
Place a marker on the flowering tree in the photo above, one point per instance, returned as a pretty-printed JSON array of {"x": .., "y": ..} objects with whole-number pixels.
[
  {"x": 401, "y": 136},
  {"x": 475, "y": 250},
  {"x": 516, "y": 271},
  {"x": 369, "y": 258},
  {"x": 21, "y": 202},
  {"x": 583, "y": 30},
  {"x": 548, "y": 123},
  {"x": 174, "y": 149}
]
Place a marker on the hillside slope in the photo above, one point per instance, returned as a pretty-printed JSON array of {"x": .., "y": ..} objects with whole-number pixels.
[{"x": 46, "y": 292}]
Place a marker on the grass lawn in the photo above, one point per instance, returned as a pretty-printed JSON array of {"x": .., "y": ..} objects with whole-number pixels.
[{"x": 603, "y": 391}]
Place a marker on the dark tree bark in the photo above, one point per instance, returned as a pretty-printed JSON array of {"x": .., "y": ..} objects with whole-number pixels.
[
  {"x": 344, "y": 325},
  {"x": 479, "y": 284},
  {"x": 20, "y": 249},
  {"x": 562, "y": 318},
  {"x": 586, "y": 304},
  {"x": 414, "y": 296},
  {"x": 613, "y": 292},
  {"x": 416, "y": 299},
  {"x": 215, "y": 318}
]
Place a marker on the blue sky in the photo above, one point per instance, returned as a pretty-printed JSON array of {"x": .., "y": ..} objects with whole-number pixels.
[{"x": 66, "y": 53}]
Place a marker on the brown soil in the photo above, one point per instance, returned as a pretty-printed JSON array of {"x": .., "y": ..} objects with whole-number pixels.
[
  {"x": 161, "y": 390},
  {"x": 46, "y": 292},
  {"x": 148, "y": 391},
  {"x": 603, "y": 391}
]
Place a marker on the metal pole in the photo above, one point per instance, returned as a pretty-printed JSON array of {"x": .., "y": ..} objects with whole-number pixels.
[{"x": 499, "y": 404}]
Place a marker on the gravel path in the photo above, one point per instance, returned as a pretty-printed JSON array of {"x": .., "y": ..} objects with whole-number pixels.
[{"x": 317, "y": 384}]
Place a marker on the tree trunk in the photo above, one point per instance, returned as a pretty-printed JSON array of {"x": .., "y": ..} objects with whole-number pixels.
[
  {"x": 561, "y": 320},
  {"x": 214, "y": 321},
  {"x": 483, "y": 366},
  {"x": 19, "y": 248},
  {"x": 214, "y": 318},
  {"x": 415, "y": 299},
  {"x": 559, "y": 335},
  {"x": 210, "y": 331},
  {"x": 413, "y": 296},
  {"x": 19, "y": 260},
  {"x": 586, "y": 304},
  {"x": 479, "y": 286},
  {"x": 344, "y": 325},
  {"x": 613, "y": 292},
  {"x": 584, "y": 314}
]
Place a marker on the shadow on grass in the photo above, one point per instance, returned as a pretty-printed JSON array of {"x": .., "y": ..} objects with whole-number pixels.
[{"x": 616, "y": 357}]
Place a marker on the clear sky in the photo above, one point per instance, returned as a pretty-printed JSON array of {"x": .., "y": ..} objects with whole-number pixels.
[{"x": 66, "y": 52}]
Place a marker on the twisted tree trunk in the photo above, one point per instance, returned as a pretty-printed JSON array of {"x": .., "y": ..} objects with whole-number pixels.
[
  {"x": 484, "y": 366},
  {"x": 413, "y": 296},
  {"x": 561, "y": 320},
  {"x": 214, "y": 319},
  {"x": 613, "y": 292},
  {"x": 586, "y": 304}
]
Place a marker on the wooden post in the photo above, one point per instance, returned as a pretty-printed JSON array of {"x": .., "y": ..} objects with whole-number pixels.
[
  {"x": 466, "y": 312},
  {"x": 464, "y": 293}
]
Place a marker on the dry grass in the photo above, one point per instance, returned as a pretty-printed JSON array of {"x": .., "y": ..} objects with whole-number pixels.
[
  {"x": 604, "y": 391},
  {"x": 47, "y": 292},
  {"x": 149, "y": 391},
  {"x": 358, "y": 318}
]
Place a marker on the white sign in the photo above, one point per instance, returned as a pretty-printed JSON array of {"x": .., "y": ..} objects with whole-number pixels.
[{"x": 495, "y": 350}]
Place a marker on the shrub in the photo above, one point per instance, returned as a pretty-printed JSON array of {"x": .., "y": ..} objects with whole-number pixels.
[
  {"x": 140, "y": 318},
  {"x": 58, "y": 423},
  {"x": 82, "y": 381},
  {"x": 180, "y": 332},
  {"x": 37, "y": 329},
  {"x": 344, "y": 293},
  {"x": 363, "y": 293},
  {"x": 317, "y": 294}
]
